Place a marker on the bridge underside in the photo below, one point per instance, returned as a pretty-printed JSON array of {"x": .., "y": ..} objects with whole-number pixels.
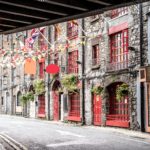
[{"x": 19, "y": 15}]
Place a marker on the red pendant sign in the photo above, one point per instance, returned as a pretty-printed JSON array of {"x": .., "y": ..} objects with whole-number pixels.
[{"x": 52, "y": 69}]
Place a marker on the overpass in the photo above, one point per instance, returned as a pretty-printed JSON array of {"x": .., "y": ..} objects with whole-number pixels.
[{"x": 19, "y": 15}]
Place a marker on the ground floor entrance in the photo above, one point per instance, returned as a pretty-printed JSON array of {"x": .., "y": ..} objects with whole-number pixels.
[
  {"x": 147, "y": 119},
  {"x": 97, "y": 109},
  {"x": 74, "y": 107},
  {"x": 41, "y": 106},
  {"x": 117, "y": 110}
]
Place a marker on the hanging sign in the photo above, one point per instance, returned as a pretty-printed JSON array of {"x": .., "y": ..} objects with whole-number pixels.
[{"x": 52, "y": 69}]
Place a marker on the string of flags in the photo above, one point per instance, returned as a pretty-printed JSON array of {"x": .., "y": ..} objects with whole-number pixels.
[{"x": 30, "y": 50}]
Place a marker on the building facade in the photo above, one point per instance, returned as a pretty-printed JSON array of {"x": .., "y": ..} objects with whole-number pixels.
[{"x": 104, "y": 51}]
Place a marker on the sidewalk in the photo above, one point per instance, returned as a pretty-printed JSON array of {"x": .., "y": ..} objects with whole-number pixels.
[{"x": 127, "y": 132}]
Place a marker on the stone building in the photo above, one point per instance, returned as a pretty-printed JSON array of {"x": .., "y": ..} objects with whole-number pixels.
[{"x": 101, "y": 51}]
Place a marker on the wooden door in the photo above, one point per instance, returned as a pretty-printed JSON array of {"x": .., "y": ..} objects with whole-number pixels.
[
  {"x": 41, "y": 106},
  {"x": 56, "y": 105},
  {"x": 97, "y": 109},
  {"x": 74, "y": 107},
  {"x": 118, "y": 114},
  {"x": 148, "y": 108}
]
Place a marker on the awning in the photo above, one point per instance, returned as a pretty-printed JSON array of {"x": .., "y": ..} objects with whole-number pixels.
[{"x": 19, "y": 15}]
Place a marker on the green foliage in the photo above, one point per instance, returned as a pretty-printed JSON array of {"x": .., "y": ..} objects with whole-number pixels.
[
  {"x": 29, "y": 96},
  {"x": 97, "y": 90},
  {"x": 69, "y": 82},
  {"x": 39, "y": 86},
  {"x": 122, "y": 90}
]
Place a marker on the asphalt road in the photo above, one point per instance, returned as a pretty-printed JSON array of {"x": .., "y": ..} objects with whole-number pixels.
[{"x": 47, "y": 135}]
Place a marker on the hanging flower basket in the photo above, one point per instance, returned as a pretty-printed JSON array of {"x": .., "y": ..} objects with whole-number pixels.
[
  {"x": 98, "y": 90},
  {"x": 25, "y": 98},
  {"x": 69, "y": 82},
  {"x": 122, "y": 91},
  {"x": 39, "y": 86}
]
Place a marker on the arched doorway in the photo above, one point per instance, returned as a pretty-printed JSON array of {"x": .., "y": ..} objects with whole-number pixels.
[
  {"x": 8, "y": 103},
  {"x": 18, "y": 104},
  {"x": 56, "y": 101},
  {"x": 117, "y": 111}
]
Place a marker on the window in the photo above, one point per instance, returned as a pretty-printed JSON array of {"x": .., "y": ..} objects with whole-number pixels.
[
  {"x": 119, "y": 12},
  {"x": 14, "y": 75},
  {"x": 18, "y": 99},
  {"x": 72, "y": 62},
  {"x": 2, "y": 101},
  {"x": 119, "y": 50},
  {"x": 41, "y": 69},
  {"x": 95, "y": 55},
  {"x": 72, "y": 29}
]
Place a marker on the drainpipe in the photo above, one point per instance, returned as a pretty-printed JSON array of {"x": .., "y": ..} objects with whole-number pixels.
[
  {"x": 83, "y": 80},
  {"x": 142, "y": 64},
  {"x": 48, "y": 76},
  {"x": 11, "y": 78}
]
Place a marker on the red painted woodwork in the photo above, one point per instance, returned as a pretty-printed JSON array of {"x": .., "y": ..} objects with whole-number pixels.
[
  {"x": 41, "y": 69},
  {"x": 148, "y": 108},
  {"x": 74, "y": 108},
  {"x": 72, "y": 62},
  {"x": 97, "y": 109},
  {"x": 119, "y": 51},
  {"x": 95, "y": 55},
  {"x": 56, "y": 106},
  {"x": 119, "y": 12},
  {"x": 52, "y": 69},
  {"x": 118, "y": 28},
  {"x": 72, "y": 29},
  {"x": 118, "y": 111},
  {"x": 41, "y": 106}
]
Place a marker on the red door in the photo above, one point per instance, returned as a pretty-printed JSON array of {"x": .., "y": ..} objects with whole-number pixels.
[
  {"x": 41, "y": 106},
  {"x": 74, "y": 108},
  {"x": 56, "y": 105},
  {"x": 97, "y": 109},
  {"x": 148, "y": 108},
  {"x": 118, "y": 110}
]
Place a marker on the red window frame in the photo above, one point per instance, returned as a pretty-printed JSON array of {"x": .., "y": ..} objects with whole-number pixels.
[
  {"x": 95, "y": 55},
  {"x": 74, "y": 107},
  {"x": 72, "y": 30},
  {"x": 119, "y": 12},
  {"x": 72, "y": 62},
  {"x": 41, "y": 69},
  {"x": 119, "y": 50}
]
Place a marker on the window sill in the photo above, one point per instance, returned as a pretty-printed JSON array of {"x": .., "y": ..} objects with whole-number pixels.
[
  {"x": 94, "y": 67},
  {"x": 94, "y": 20}
]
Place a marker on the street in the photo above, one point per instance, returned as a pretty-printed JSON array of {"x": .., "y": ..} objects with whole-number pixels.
[{"x": 49, "y": 135}]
